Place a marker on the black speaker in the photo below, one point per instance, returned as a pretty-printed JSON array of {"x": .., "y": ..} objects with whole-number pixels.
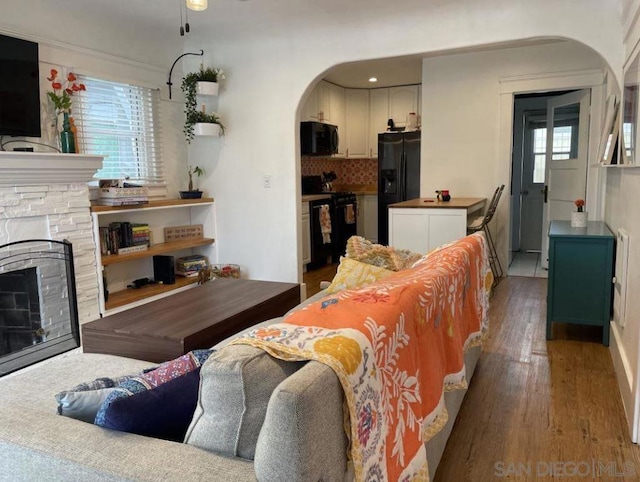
[{"x": 163, "y": 271}]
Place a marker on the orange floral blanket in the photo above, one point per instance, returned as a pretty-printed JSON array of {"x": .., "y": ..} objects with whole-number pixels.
[{"x": 396, "y": 346}]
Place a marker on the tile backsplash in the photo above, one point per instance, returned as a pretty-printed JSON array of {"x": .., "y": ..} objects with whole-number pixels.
[{"x": 349, "y": 171}]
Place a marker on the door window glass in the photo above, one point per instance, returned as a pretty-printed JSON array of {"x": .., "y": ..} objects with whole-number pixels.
[{"x": 563, "y": 147}]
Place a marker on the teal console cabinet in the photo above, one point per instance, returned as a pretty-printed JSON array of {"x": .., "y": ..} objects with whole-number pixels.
[{"x": 580, "y": 275}]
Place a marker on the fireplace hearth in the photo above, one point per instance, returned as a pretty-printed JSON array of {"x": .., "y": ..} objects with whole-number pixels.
[{"x": 38, "y": 303}]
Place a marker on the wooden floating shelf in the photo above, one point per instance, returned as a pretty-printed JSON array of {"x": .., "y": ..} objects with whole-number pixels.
[
  {"x": 157, "y": 249},
  {"x": 130, "y": 295},
  {"x": 160, "y": 204}
]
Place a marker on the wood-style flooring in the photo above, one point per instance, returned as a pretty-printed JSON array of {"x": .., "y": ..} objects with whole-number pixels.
[
  {"x": 313, "y": 278},
  {"x": 533, "y": 402}
]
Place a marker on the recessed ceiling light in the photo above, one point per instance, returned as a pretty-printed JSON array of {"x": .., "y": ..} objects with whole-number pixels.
[{"x": 373, "y": 79}]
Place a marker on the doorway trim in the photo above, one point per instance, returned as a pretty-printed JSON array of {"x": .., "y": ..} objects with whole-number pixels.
[{"x": 546, "y": 82}]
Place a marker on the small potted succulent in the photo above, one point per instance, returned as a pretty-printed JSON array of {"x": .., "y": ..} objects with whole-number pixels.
[{"x": 192, "y": 193}]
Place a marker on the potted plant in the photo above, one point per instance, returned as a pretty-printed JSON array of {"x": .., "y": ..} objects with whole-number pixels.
[
  {"x": 199, "y": 123},
  {"x": 579, "y": 217},
  {"x": 204, "y": 81},
  {"x": 192, "y": 193}
]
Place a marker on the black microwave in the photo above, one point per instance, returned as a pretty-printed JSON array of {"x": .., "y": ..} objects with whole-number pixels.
[{"x": 318, "y": 139}]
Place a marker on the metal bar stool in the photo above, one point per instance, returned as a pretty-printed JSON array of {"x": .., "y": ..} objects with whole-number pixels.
[{"x": 481, "y": 223}]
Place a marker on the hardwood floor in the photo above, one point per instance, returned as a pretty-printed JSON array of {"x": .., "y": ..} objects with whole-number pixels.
[
  {"x": 533, "y": 402},
  {"x": 313, "y": 278}
]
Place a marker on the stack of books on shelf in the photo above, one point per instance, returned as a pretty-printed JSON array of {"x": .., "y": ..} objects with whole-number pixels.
[
  {"x": 190, "y": 265},
  {"x": 123, "y": 196},
  {"x": 123, "y": 238}
]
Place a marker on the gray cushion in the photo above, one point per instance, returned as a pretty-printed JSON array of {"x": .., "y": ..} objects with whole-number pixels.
[
  {"x": 82, "y": 405},
  {"x": 304, "y": 425},
  {"x": 235, "y": 386}
]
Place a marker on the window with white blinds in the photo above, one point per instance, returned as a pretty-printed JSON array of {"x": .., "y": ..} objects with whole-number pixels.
[{"x": 120, "y": 122}]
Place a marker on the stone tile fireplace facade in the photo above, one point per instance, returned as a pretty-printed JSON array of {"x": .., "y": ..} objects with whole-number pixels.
[{"x": 45, "y": 196}]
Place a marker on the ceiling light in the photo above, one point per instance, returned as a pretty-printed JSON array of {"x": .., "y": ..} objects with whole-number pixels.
[
  {"x": 373, "y": 79},
  {"x": 197, "y": 5}
]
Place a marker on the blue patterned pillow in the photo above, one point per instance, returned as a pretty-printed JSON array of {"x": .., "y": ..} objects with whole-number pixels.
[{"x": 159, "y": 403}]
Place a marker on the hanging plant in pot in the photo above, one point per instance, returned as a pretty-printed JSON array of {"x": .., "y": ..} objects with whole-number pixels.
[
  {"x": 205, "y": 81},
  {"x": 199, "y": 123},
  {"x": 192, "y": 193}
]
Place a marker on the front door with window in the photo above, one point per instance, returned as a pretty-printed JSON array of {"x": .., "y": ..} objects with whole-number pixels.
[
  {"x": 565, "y": 160},
  {"x": 534, "y": 149}
]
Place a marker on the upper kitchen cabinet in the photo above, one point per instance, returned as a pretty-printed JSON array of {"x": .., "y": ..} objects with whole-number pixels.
[
  {"x": 402, "y": 101},
  {"x": 357, "y": 123},
  {"x": 310, "y": 108},
  {"x": 324, "y": 102},
  {"x": 337, "y": 109},
  {"x": 378, "y": 117}
]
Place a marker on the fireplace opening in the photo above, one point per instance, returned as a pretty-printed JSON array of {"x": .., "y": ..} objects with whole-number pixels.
[{"x": 38, "y": 304}]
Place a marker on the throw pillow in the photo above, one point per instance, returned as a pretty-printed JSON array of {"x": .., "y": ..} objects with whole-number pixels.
[
  {"x": 386, "y": 257},
  {"x": 235, "y": 389},
  {"x": 83, "y": 401},
  {"x": 354, "y": 274},
  {"x": 159, "y": 403}
]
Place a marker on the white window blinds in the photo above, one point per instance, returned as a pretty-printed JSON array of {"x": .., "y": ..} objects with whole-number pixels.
[{"x": 120, "y": 122}]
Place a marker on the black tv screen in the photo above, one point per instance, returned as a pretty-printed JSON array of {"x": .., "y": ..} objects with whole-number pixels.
[{"x": 19, "y": 88}]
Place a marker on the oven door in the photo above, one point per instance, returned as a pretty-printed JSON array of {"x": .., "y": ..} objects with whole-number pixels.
[
  {"x": 345, "y": 223},
  {"x": 321, "y": 252}
]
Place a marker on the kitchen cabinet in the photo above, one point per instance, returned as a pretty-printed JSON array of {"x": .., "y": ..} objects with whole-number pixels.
[
  {"x": 367, "y": 223},
  {"x": 360, "y": 215},
  {"x": 423, "y": 224},
  {"x": 371, "y": 217},
  {"x": 378, "y": 117},
  {"x": 337, "y": 109},
  {"x": 310, "y": 108},
  {"x": 357, "y": 123},
  {"x": 580, "y": 276},
  {"x": 120, "y": 270},
  {"x": 324, "y": 102},
  {"x": 306, "y": 235},
  {"x": 402, "y": 101}
]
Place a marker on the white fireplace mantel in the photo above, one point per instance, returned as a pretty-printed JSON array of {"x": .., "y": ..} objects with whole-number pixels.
[{"x": 37, "y": 168}]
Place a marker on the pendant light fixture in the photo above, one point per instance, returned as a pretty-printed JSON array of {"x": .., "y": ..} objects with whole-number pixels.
[{"x": 197, "y": 5}]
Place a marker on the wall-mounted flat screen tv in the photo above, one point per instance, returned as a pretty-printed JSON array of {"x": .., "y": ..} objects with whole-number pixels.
[{"x": 19, "y": 88}]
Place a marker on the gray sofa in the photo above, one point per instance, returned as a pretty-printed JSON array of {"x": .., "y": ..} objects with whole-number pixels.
[{"x": 301, "y": 438}]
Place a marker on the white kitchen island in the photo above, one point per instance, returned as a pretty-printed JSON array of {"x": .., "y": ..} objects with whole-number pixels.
[{"x": 423, "y": 224}]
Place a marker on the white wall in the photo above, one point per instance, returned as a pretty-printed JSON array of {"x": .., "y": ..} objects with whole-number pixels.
[
  {"x": 621, "y": 211},
  {"x": 257, "y": 227},
  {"x": 108, "y": 48},
  {"x": 461, "y": 108},
  {"x": 271, "y": 68}
]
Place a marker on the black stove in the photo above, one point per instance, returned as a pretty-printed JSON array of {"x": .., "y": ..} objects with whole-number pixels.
[{"x": 343, "y": 210}]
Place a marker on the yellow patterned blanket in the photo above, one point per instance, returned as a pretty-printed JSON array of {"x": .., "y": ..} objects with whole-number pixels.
[{"x": 396, "y": 346}]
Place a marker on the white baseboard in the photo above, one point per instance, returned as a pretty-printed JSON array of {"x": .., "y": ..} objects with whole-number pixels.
[{"x": 624, "y": 375}]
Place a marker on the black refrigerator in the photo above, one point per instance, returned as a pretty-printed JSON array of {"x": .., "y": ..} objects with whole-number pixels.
[{"x": 398, "y": 174}]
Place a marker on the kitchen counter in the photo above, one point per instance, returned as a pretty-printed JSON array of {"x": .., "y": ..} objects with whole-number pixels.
[
  {"x": 315, "y": 197},
  {"x": 471, "y": 204}
]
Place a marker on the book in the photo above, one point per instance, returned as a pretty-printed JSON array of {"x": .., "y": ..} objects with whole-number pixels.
[
  {"x": 132, "y": 249},
  {"x": 131, "y": 201},
  {"x": 123, "y": 192},
  {"x": 187, "y": 274}
]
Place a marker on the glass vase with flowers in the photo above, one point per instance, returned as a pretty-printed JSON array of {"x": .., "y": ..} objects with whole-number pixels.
[{"x": 61, "y": 97}]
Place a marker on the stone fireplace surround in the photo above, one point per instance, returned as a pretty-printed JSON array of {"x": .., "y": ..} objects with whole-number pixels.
[{"x": 45, "y": 196}]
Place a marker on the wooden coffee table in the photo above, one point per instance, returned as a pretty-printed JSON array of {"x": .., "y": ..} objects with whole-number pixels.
[{"x": 196, "y": 318}]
